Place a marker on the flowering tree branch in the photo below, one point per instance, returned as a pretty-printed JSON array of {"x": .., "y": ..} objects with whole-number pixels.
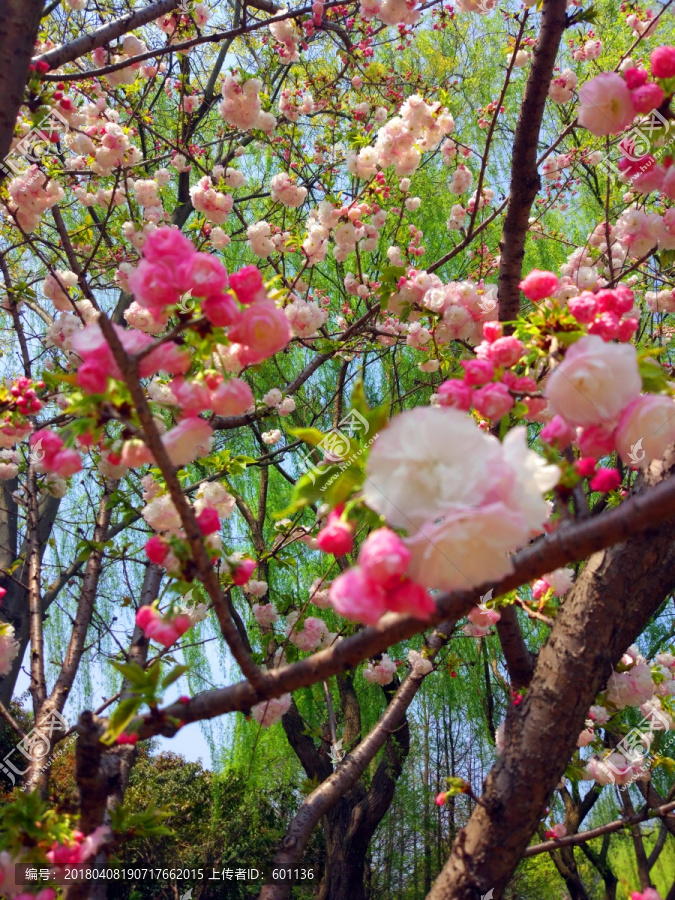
[
  {"x": 206, "y": 571},
  {"x": 614, "y": 596},
  {"x": 72, "y": 51},
  {"x": 569, "y": 544},
  {"x": 665, "y": 811}
]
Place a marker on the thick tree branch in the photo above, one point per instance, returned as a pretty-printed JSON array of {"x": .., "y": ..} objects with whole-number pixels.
[
  {"x": 571, "y": 543},
  {"x": 525, "y": 182},
  {"x": 614, "y": 597},
  {"x": 66, "y": 53},
  {"x": 19, "y": 24},
  {"x": 520, "y": 661}
]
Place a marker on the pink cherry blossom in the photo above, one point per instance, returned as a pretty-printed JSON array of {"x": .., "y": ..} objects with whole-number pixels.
[
  {"x": 357, "y": 597},
  {"x": 208, "y": 521},
  {"x": 662, "y": 62},
  {"x": 558, "y": 433},
  {"x": 505, "y": 351},
  {"x": 56, "y": 457},
  {"x": 242, "y": 570},
  {"x": 493, "y": 400},
  {"x": 232, "y": 398},
  {"x": 268, "y": 712},
  {"x": 380, "y": 672},
  {"x": 595, "y": 382},
  {"x": 646, "y": 98},
  {"x": 538, "y": 285},
  {"x": 164, "y": 630},
  {"x": 167, "y": 243},
  {"x": 477, "y": 371},
  {"x": 265, "y": 615},
  {"x": 263, "y": 330},
  {"x": 221, "y": 310},
  {"x": 336, "y": 537},
  {"x": 596, "y": 441},
  {"x": 384, "y": 558},
  {"x": 154, "y": 286},
  {"x": 483, "y": 617},
  {"x": 605, "y": 104},
  {"x": 156, "y": 549},
  {"x": 92, "y": 376},
  {"x": 584, "y": 307},
  {"x": 204, "y": 273},
  {"x": 605, "y": 480},
  {"x": 492, "y": 331},
  {"x": 455, "y": 393},
  {"x": 646, "y": 429},
  {"x": 189, "y": 440},
  {"x": 248, "y": 285},
  {"x": 192, "y": 397},
  {"x": 81, "y": 849}
]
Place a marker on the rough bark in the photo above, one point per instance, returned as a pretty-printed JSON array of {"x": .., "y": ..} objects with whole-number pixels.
[
  {"x": 104, "y": 35},
  {"x": 351, "y": 812},
  {"x": 15, "y": 604},
  {"x": 19, "y": 23},
  {"x": 520, "y": 661}
]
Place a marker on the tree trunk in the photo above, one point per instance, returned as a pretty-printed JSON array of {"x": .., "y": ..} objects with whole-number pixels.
[{"x": 614, "y": 597}]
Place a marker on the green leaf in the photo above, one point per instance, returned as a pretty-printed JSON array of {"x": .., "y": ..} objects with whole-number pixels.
[
  {"x": 309, "y": 435},
  {"x": 173, "y": 675},
  {"x": 307, "y": 489},
  {"x": 134, "y": 674},
  {"x": 654, "y": 377},
  {"x": 153, "y": 674},
  {"x": 118, "y": 721},
  {"x": 344, "y": 485}
]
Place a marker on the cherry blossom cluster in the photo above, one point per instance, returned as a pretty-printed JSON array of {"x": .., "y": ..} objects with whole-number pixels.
[
  {"x": 80, "y": 849},
  {"x": 610, "y": 102},
  {"x": 635, "y": 684},
  {"x": 31, "y": 194},
  {"x": 461, "y": 527},
  {"x": 418, "y": 127},
  {"x": 242, "y": 107},
  {"x": 379, "y": 583}
]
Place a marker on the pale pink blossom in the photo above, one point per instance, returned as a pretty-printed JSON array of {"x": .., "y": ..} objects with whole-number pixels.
[
  {"x": 419, "y": 663},
  {"x": 268, "y": 712},
  {"x": 595, "y": 382},
  {"x": 232, "y": 398},
  {"x": 265, "y": 615},
  {"x": 213, "y": 495},
  {"x": 9, "y": 648},
  {"x": 188, "y": 441},
  {"x": 630, "y": 688},
  {"x": 646, "y": 429},
  {"x": 263, "y": 330},
  {"x": 605, "y": 104},
  {"x": 256, "y": 588},
  {"x": 426, "y": 474},
  {"x": 380, "y": 672}
]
